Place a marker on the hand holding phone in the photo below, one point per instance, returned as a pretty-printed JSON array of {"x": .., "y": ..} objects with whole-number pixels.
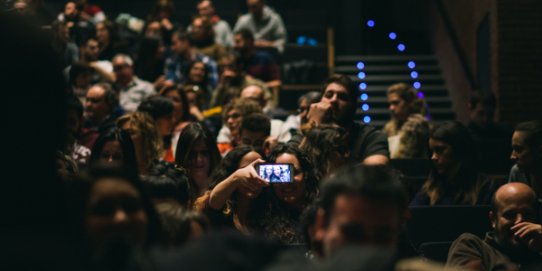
[{"x": 276, "y": 173}]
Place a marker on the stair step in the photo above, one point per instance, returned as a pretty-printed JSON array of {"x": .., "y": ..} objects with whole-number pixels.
[
  {"x": 383, "y": 58},
  {"x": 388, "y": 69},
  {"x": 392, "y": 79}
]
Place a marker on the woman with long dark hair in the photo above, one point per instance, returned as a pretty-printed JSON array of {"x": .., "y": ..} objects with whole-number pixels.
[
  {"x": 198, "y": 154},
  {"x": 454, "y": 178},
  {"x": 288, "y": 200}
]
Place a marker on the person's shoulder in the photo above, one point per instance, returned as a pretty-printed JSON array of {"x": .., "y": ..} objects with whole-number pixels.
[{"x": 363, "y": 128}]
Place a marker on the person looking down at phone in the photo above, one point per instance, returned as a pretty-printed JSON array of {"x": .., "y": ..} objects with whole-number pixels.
[
  {"x": 338, "y": 106},
  {"x": 234, "y": 199},
  {"x": 515, "y": 239},
  {"x": 289, "y": 199}
]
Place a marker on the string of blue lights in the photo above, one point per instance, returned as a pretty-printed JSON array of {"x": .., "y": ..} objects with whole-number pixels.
[{"x": 401, "y": 47}]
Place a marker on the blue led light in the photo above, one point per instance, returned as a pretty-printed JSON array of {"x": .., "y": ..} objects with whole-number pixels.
[
  {"x": 365, "y": 107},
  {"x": 371, "y": 23},
  {"x": 420, "y": 95},
  {"x": 417, "y": 85},
  {"x": 366, "y": 119},
  {"x": 360, "y": 65},
  {"x": 361, "y": 75},
  {"x": 362, "y": 86},
  {"x": 411, "y": 64},
  {"x": 364, "y": 97},
  {"x": 401, "y": 47},
  {"x": 392, "y": 35},
  {"x": 414, "y": 74}
]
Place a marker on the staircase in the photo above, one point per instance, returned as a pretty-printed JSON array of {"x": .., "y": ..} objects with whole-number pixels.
[{"x": 381, "y": 71}]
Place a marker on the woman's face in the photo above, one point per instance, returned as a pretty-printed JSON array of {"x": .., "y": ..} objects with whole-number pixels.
[
  {"x": 112, "y": 152},
  {"x": 268, "y": 171},
  {"x": 277, "y": 171},
  {"x": 233, "y": 120},
  {"x": 442, "y": 156},
  {"x": 177, "y": 105},
  {"x": 197, "y": 72},
  {"x": 199, "y": 163},
  {"x": 398, "y": 107},
  {"x": 115, "y": 213},
  {"x": 165, "y": 125},
  {"x": 290, "y": 193}
]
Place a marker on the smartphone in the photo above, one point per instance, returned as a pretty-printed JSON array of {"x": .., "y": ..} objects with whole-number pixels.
[{"x": 276, "y": 173}]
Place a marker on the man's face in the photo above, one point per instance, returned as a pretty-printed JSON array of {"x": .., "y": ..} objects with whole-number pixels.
[
  {"x": 91, "y": 50},
  {"x": 338, "y": 97},
  {"x": 361, "y": 220},
  {"x": 255, "y": 7},
  {"x": 205, "y": 8},
  {"x": 521, "y": 152},
  {"x": 481, "y": 115},
  {"x": 96, "y": 107},
  {"x": 123, "y": 72},
  {"x": 398, "y": 107},
  {"x": 253, "y": 138},
  {"x": 511, "y": 209},
  {"x": 70, "y": 10},
  {"x": 303, "y": 110},
  {"x": 178, "y": 46}
]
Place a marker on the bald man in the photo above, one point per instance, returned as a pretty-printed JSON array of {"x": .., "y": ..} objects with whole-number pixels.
[{"x": 515, "y": 239}]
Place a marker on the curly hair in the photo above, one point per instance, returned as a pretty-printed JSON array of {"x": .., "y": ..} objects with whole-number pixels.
[
  {"x": 311, "y": 182},
  {"x": 243, "y": 105},
  {"x": 144, "y": 125},
  {"x": 416, "y": 105},
  {"x": 320, "y": 143}
]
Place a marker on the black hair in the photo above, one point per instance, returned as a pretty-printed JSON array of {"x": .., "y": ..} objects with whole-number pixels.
[
  {"x": 533, "y": 131},
  {"x": 184, "y": 36},
  {"x": 311, "y": 182},
  {"x": 177, "y": 223},
  {"x": 165, "y": 181},
  {"x": 256, "y": 122},
  {"x": 156, "y": 106},
  {"x": 187, "y": 139},
  {"x": 465, "y": 152},
  {"x": 184, "y": 100},
  {"x": 378, "y": 182},
  {"x": 127, "y": 146},
  {"x": 115, "y": 171},
  {"x": 230, "y": 163},
  {"x": 346, "y": 82}
]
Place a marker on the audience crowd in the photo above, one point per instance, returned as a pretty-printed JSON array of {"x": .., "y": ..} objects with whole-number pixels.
[{"x": 163, "y": 128}]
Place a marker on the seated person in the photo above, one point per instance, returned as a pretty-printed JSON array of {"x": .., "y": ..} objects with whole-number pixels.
[
  {"x": 232, "y": 80},
  {"x": 233, "y": 113},
  {"x": 527, "y": 152},
  {"x": 411, "y": 141},
  {"x": 234, "y": 200},
  {"x": 293, "y": 122},
  {"x": 454, "y": 178},
  {"x": 481, "y": 123},
  {"x": 204, "y": 38},
  {"x": 404, "y": 102},
  {"x": 515, "y": 239},
  {"x": 265, "y": 23},
  {"x": 337, "y": 107},
  {"x": 256, "y": 63}
]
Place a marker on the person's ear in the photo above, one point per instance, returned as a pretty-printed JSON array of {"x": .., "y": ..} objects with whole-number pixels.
[{"x": 493, "y": 219}]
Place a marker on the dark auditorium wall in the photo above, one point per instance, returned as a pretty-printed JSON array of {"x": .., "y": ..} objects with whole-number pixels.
[{"x": 510, "y": 64}]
